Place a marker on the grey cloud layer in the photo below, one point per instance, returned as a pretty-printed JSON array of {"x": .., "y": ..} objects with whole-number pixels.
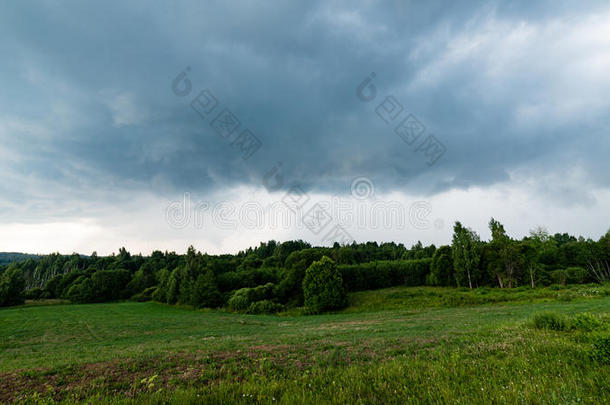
[{"x": 507, "y": 87}]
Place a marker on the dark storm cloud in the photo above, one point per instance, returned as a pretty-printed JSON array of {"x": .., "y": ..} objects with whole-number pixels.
[{"x": 87, "y": 98}]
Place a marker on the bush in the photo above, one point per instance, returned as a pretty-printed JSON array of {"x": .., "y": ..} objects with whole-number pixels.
[
  {"x": 385, "y": 273},
  {"x": 109, "y": 285},
  {"x": 12, "y": 285},
  {"x": 103, "y": 286},
  {"x": 142, "y": 279},
  {"x": 160, "y": 294},
  {"x": 144, "y": 296},
  {"x": 229, "y": 281},
  {"x": 441, "y": 268},
  {"x": 81, "y": 291},
  {"x": 586, "y": 322},
  {"x": 34, "y": 294},
  {"x": 139, "y": 297},
  {"x": 601, "y": 349},
  {"x": 551, "y": 320},
  {"x": 262, "y": 292},
  {"x": 205, "y": 292},
  {"x": 323, "y": 287},
  {"x": 566, "y": 297},
  {"x": 575, "y": 275},
  {"x": 571, "y": 275},
  {"x": 232, "y": 280},
  {"x": 244, "y": 297},
  {"x": 264, "y": 307},
  {"x": 290, "y": 288},
  {"x": 62, "y": 284},
  {"x": 559, "y": 277},
  {"x": 52, "y": 286},
  {"x": 240, "y": 301}
]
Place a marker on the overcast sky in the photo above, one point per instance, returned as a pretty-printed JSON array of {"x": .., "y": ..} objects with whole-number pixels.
[{"x": 156, "y": 125}]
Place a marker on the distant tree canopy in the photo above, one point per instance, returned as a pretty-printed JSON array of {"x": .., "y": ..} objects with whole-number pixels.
[{"x": 274, "y": 275}]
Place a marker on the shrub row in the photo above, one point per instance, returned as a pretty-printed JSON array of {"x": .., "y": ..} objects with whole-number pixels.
[
  {"x": 253, "y": 300},
  {"x": 571, "y": 275},
  {"x": 386, "y": 273},
  {"x": 560, "y": 322}
]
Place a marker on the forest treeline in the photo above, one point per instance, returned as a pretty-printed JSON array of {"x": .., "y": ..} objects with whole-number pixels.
[
  {"x": 11, "y": 257},
  {"x": 275, "y": 275}
]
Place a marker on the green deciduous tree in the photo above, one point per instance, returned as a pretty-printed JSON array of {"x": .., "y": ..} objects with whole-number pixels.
[
  {"x": 323, "y": 287},
  {"x": 160, "y": 293},
  {"x": 290, "y": 288},
  {"x": 598, "y": 260},
  {"x": 441, "y": 268},
  {"x": 466, "y": 255},
  {"x": 532, "y": 248},
  {"x": 505, "y": 257},
  {"x": 205, "y": 291}
]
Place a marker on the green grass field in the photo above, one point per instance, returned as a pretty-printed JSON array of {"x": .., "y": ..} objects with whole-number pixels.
[{"x": 400, "y": 345}]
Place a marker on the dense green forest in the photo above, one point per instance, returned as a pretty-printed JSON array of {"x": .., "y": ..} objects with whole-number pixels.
[
  {"x": 11, "y": 257},
  {"x": 275, "y": 276}
]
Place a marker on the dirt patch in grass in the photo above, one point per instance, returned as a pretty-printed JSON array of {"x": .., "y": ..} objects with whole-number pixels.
[
  {"x": 356, "y": 325},
  {"x": 270, "y": 348},
  {"x": 76, "y": 381},
  {"x": 133, "y": 376},
  {"x": 130, "y": 377}
]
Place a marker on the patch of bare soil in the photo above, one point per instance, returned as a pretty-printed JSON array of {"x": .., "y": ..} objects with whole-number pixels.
[{"x": 129, "y": 377}]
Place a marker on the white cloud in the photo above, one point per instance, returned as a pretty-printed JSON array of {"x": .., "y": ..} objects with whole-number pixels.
[
  {"x": 549, "y": 73},
  {"x": 237, "y": 218},
  {"x": 79, "y": 173},
  {"x": 124, "y": 108}
]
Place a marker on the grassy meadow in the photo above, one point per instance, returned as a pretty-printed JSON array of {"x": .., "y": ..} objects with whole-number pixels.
[{"x": 398, "y": 345}]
